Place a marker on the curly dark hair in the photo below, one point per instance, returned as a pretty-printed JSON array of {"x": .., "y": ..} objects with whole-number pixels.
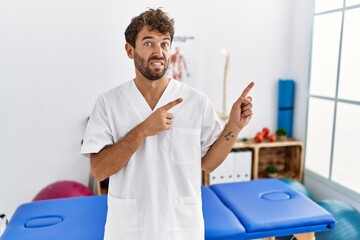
[{"x": 155, "y": 19}]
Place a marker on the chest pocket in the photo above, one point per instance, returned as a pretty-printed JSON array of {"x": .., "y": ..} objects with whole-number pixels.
[{"x": 185, "y": 146}]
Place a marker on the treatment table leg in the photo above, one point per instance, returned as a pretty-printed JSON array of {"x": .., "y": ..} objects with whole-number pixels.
[
  {"x": 300, "y": 236},
  {"x": 305, "y": 236}
]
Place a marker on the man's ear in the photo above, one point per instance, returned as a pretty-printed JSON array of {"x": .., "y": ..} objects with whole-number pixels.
[{"x": 129, "y": 50}]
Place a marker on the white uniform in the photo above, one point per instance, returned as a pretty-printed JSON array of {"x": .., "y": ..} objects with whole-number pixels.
[{"x": 157, "y": 195}]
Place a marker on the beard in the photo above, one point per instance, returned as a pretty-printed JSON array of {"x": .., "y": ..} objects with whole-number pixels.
[{"x": 142, "y": 67}]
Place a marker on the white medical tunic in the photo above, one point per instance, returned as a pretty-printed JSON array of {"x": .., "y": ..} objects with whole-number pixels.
[{"x": 157, "y": 194}]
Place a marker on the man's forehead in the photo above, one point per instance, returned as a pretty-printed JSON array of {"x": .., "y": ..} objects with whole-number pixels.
[{"x": 146, "y": 32}]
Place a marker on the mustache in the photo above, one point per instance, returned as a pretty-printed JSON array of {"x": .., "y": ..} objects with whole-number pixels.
[{"x": 157, "y": 58}]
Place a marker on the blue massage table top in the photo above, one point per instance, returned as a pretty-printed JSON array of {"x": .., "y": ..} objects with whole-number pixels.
[
  {"x": 59, "y": 219},
  {"x": 270, "y": 207},
  {"x": 220, "y": 222},
  {"x": 232, "y": 211}
]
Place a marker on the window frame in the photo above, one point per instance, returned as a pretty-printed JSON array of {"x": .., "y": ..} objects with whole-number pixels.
[{"x": 327, "y": 181}]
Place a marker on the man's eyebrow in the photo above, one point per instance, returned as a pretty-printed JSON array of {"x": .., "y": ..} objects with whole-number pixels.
[
  {"x": 152, "y": 38},
  {"x": 147, "y": 37}
]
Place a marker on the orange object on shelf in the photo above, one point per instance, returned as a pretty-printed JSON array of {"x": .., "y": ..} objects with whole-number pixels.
[{"x": 261, "y": 135}]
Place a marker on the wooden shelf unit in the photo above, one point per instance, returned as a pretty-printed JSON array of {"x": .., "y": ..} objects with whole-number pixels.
[{"x": 288, "y": 155}]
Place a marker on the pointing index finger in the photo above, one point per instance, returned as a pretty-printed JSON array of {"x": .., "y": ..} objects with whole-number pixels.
[
  {"x": 172, "y": 104},
  {"x": 247, "y": 90}
]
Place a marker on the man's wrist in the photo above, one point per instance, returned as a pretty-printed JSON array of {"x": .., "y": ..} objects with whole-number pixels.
[
  {"x": 233, "y": 127},
  {"x": 140, "y": 131},
  {"x": 230, "y": 131}
]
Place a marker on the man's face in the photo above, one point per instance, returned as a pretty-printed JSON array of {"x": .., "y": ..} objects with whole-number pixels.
[{"x": 152, "y": 53}]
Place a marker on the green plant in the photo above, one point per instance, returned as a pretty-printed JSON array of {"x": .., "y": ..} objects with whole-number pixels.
[
  {"x": 272, "y": 168},
  {"x": 281, "y": 132}
]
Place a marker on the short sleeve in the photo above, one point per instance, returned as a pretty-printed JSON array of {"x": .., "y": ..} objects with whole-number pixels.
[
  {"x": 211, "y": 127},
  {"x": 98, "y": 132}
]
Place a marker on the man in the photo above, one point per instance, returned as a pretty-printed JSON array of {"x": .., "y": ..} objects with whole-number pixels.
[{"x": 152, "y": 136}]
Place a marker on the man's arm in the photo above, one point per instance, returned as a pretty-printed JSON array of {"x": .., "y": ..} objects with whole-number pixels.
[
  {"x": 240, "y": 116},
  {"x": 114, "y": 157}
]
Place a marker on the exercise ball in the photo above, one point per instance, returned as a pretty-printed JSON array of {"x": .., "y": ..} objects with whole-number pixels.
[
  {"x": 297, "y": 186},
  {"x": 347, "y": 221},
  {"x": 63, "y": 189}
]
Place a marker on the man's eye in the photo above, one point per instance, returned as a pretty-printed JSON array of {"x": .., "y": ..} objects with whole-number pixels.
[
  {"x": 166, "y": 44},
  {"x": 147, "y": 44}
]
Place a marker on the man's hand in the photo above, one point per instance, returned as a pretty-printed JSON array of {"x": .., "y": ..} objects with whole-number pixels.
[
  {"x": 241, "y": 111},
  {"x": 160, "y": 120}
]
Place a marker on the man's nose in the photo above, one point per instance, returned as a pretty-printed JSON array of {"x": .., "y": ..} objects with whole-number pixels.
[{"x": 157, "y": 50}]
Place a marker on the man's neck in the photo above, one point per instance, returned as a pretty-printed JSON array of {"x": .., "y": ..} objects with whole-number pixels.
[{"x": 151, "y": 89}]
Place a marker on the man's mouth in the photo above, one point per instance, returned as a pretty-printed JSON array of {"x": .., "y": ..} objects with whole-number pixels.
[{"x": 157, "y": 63}]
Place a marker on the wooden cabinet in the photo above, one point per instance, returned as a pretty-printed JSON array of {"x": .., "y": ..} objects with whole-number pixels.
[{"x": 287, "y": 155}]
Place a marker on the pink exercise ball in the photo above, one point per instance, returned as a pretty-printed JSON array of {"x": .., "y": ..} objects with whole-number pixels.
[{"x": 63, "y": 189}]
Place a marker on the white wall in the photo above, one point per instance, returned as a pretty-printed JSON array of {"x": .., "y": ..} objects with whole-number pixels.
[
  {"x": 57, "y": 56},
  {"x": 303, "y": 16},
  {"x": 257, "y": 35}
]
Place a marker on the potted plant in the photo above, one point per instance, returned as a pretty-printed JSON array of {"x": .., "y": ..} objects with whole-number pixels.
[
  {"x": 272, "y": 170},
  {"x": 281, "y": 134}
]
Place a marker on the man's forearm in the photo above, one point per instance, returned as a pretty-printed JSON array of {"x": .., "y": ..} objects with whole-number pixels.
[
  {"x": 113, "y": 158},
  {"x": 220, "y": 149}
]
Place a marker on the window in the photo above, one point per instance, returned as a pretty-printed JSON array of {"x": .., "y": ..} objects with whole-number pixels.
[
  {"x": 326, "y": 5},
  {"x": 346, "y": 164},
  {"x": 325, "y": 54},
  {"x": 352, "y": 2},
  {"x": 333, "y": 123}
]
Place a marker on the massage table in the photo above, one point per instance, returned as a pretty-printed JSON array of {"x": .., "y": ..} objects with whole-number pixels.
[
  {"x": 264, "y": 208},
  {"x": 232, "y": 211}
]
